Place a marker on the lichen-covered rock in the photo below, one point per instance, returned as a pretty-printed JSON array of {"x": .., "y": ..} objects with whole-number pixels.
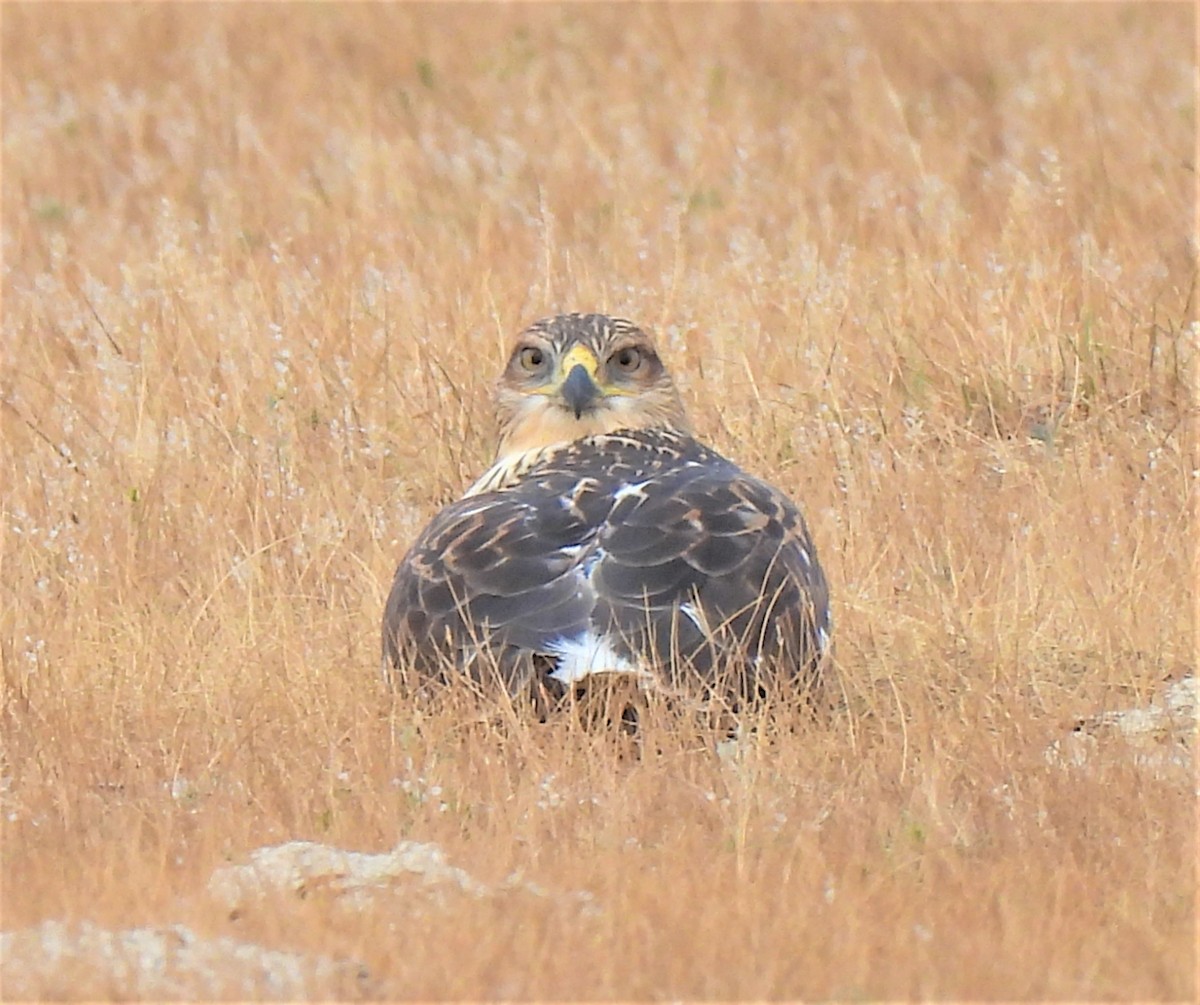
[
  {"x": 1158, "y": 737},
  {"x": 306, "y": 867},
  {"x": 58, "y": 960}
]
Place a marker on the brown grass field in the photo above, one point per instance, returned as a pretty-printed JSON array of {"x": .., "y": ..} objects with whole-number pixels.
[{"x": 930, "y": 269}]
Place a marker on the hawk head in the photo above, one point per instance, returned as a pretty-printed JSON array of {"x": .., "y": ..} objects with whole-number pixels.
[{"x": 581, "y": 375}]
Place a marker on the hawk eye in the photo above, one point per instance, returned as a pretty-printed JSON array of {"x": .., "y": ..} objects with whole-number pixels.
[
  {"x": 532, "y": 358},
  {"x": 628, "y": 359}
]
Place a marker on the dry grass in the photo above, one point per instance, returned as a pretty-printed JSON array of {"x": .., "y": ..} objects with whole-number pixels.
[{"x": 928, "y": 268}]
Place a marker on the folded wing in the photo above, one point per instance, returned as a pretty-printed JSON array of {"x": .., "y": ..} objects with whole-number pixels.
[{"x": 645, "y": 550}]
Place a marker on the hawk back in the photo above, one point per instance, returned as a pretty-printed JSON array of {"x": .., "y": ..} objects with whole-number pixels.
[{"x": 638, "y": 552}]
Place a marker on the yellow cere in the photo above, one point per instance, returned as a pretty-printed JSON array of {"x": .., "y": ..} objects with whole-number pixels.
[{"x": 580, "y": 355}]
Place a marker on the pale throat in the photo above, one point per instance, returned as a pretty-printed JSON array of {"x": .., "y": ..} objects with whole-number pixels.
[{"x": 550, "y": 426}]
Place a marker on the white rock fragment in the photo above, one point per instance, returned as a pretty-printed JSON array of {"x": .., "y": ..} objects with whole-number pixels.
[
  {"x": 358, "y": 879},
  {"x": 303, "y": 867},
  {"x": 1158, "y": 738},
  {"x": 55, "y": 960}
]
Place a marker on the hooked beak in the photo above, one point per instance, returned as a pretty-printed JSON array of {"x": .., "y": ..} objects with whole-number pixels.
[{"x": 579, "y": 390}]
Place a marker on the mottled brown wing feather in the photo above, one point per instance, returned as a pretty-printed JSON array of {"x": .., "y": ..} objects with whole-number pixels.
[{"x": 648, "y": 538}]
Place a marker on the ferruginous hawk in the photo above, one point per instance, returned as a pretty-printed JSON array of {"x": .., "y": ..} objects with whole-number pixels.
[{"x": 606, "y": 539}]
